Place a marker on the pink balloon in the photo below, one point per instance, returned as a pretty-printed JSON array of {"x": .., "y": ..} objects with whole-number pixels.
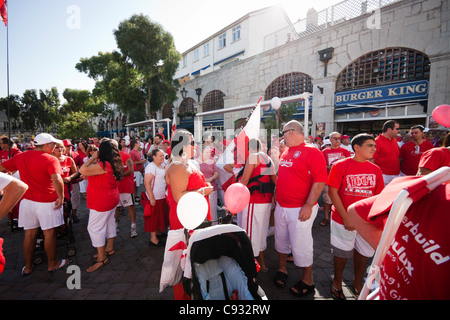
[
  {"x": 441, "y": 115},
  {"x": 237, "y": 197}
]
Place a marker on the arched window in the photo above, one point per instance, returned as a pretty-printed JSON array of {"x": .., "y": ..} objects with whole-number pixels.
[
  {"x": 167, "y": 111},
  {"x": 289, "y": 84},
  {"x": 384, "y": 66},
  {"x": 187, "y": 105},
  {"x": 213, "y": 101}
]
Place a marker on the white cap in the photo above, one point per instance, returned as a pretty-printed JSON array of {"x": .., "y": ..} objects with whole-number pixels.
[
  {"x": 326, "y": 141},
  {"x": 44, "y": 138}
]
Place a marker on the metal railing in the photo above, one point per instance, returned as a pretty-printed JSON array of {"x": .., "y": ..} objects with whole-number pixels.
[{"x": 317, "y": 21}]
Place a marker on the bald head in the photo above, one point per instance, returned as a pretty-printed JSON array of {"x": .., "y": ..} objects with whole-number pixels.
[{"x": 293, "y": 133}]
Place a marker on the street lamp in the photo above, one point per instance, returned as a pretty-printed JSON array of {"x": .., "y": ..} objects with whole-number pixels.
[
  {"x": 184, "y": 93},
  {"x": 198, "y": 92}
]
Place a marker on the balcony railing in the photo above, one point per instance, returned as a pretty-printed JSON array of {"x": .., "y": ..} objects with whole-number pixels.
[{"x": 317, "y": 21}]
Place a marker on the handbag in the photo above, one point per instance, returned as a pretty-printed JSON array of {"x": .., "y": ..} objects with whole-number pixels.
[{"x": 143, "y": 199}]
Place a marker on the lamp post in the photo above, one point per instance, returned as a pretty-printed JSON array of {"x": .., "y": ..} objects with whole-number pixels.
[{"x": 184, "y": 93}]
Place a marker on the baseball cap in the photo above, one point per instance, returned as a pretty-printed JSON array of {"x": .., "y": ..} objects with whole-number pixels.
[
  {"x": 326, "y": 141},
  {"x": 345, "y": 137},
  {"x": 67, "y": 143},
  {"x": 44, "y": 138}
]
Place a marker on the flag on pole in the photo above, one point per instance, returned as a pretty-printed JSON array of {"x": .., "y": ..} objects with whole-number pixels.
[
  {"x": 174, "y": 125},
  {"x": 237, "y": 151},
  {"x": 4, "y": 12}
]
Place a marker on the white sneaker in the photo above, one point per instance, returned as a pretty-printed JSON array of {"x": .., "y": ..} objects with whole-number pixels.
[{"x": 133, "y": 232}]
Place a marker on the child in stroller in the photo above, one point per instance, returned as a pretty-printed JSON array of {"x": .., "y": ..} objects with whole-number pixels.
[{"x": 220, "y": 265}]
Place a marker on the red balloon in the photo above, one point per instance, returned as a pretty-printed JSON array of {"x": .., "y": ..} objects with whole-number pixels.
[
  {"x": 237, "y": 197},
  {"x": 441, "y": 115}
]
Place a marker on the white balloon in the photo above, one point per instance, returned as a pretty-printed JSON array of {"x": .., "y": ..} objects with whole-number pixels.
[
  {"x": 192, "y": 209},
  {"x": 276, "y": 103}
]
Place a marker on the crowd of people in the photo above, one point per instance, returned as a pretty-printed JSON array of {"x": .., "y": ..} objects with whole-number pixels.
[{"x": 288, "y": 182}]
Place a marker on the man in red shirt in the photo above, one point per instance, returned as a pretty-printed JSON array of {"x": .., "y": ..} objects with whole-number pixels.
[
  {"x": 42, "y": 203},
  {"x": 302, "y": 175},
  {"x": 435, "y": 158},
  {"x": 388, "y": 152},
  {"x": 332, "y": 154},
  {"x": 411, "y": 152},
  {"x": 6, "y": 144},
  {"x": 350, "y": 180}
]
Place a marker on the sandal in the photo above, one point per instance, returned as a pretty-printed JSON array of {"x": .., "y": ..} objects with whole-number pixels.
[
  {"x": 300, "y": 288},
  {"x": 108, "y": 253},
  {"x": 324, "y": 222},
  {"x": 337, "y": 294},
  {"x": 101, "y": 264},
  {"x": 280, "y": 279}
]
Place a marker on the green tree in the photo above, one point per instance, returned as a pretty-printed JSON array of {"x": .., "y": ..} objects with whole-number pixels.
[
  {"x": 151, "y": 51},
  {"x": 116, "y": 81},
  {"x": 77, "y": 125}
]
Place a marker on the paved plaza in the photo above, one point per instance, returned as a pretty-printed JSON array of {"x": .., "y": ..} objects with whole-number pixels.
[{"x": 134, "y": 270}]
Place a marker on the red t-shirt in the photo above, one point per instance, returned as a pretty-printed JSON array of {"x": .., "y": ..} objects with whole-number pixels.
[
  {"x": 35, "y": 169},
  {"x": 4, "y": 154},
  {"x": 354, "y": 181},
  {"x": 136, "y": 156},
  {"x": 435, "y": 158},
  {"x": 65, "y": 166},
  {"x": 411, "y": 153},
  {"x": 102, "y": 190},
  {"x": 299, "y": 167},
  {"x": 387, "y": 155},
  {"x": 417, "y": 264},
  {"x": 126, "y": 185},
  {"x": 333, "y": 155}
]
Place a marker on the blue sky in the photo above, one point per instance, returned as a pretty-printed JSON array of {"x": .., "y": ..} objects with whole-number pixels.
[{"x": 48, "y": 37}]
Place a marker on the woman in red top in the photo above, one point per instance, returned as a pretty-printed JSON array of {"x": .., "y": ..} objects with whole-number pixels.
[
  {"x": 103, "y": 170},
  {"x": 260, "y": 178},
  {"x": 182, "y": 176},
  {"x": 68, "y": 167}
]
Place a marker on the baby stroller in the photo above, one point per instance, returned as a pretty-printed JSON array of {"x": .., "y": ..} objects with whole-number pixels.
[
  {"x": 64, "y": 236},
  {"x": 220, "y": 265}
]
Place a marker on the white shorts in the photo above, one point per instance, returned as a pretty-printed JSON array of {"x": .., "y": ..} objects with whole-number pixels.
[
  {"x": 293, "y": 235},
  {"x": 254, "y": 219},
  {"x": 126, "y": 200},
  {"x": 34, "y": 214},
  {"x": 101, "y": 226},
  {"x": 138, "y": 179},
  {"x": 343, "y": 242}
]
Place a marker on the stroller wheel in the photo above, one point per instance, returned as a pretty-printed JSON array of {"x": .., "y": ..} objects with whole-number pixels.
[
  {"x": 71, "y": 251},
  {"x": 38, "y": 259}
]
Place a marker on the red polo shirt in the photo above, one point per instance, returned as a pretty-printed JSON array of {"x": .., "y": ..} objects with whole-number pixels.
[
  {"x": 299, "y": 168},
  {"x": 411, "y": 153},
  {"x": 387, "y": 155}
]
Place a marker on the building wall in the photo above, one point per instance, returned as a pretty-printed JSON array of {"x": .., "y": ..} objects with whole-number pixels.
[{"x": 415, "y": 24}]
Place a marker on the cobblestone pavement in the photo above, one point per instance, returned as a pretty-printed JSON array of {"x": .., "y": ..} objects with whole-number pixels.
[{"x": 134, "y": 270}]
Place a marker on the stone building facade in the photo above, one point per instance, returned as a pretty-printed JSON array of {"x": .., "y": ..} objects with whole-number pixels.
[{"x": 392, "y": 62}]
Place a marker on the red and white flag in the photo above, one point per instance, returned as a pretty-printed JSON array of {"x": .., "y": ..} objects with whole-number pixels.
[
  {"x": 237, "y": 151},
  {"x": 4, "y": 11},
  {"x": 174, "y": 126}
]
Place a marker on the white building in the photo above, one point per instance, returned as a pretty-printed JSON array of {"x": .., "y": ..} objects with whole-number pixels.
[{"x": 240, "y": 40}]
